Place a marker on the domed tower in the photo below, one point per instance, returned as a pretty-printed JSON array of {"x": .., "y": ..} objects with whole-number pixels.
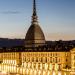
[{"x": 34, "y": 36}]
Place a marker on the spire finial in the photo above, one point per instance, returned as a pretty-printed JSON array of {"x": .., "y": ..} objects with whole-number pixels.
[
  {"x": 34, "y": 8},
  {"x": 34, "y": 15}
]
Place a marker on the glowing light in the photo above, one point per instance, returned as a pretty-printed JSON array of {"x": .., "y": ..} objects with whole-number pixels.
[
  {"x": 54, "y": 73},
  {"x": 56, "y": 67},
  {"x": 44, "y": 73},
  {"x": 21, "y": 70},
  {"x": 48, "y": 73},
  {"x": 41, "y": 66},
  {"x": 59, "y": 73},
  {"x": 31, "y": 71},
  {"x": 9, "y": 62},
  {"x": 46, "y": 66},
  {"x": 39, "y": 72},
  {"x": 27, "y": 71},
  {"x": 64, "y": 73},
  {"x": 37, "y": 66},
  {"x": 3, "y": 72},
  {"x": 25, "y": 64},
  {"x": 50, "y": 67},
  {"x": 35, "y": 72}
]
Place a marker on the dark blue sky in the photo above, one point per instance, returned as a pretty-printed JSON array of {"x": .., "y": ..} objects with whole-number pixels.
[{"x": 56, "y": 17}]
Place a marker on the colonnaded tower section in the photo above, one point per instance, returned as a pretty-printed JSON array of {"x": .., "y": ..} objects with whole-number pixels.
[{"x": 34, "y": 36}]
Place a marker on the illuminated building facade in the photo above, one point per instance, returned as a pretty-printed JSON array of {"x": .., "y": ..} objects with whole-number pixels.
[
  {"x": 28, "y": 60},
  {"x": 36, "y": 57},
  {"x": 73, "y": 59}
]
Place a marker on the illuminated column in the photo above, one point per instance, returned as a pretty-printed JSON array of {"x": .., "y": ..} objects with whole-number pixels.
[
  {"x": 2, "y": 66},
  {"x": 31, "y": 72},
  {"x": 39, "y": 72},
  {"x": 29, "y": 64},
  {"x": 50, "y": 67},
  {"x": 41, "y": 66},
  {"x": 43, "y": 72},
  {"x": 56, "y": 67},
  {"x": 16, "y": 69},
  {"x": 46, "y": 66},
  {"x": 59, "y": 73},
  {"x": 25, "y": 64},
  {"x": 35, "y": 72},
  {"x": 9, "y": 67},
  {"x": 36, "y": 66},
  {"x": 32, "y": 65},
  {"x": 21, "y": 70},
  {"x": 27, "y": 71}
]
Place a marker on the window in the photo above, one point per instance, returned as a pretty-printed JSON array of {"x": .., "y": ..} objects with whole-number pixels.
[
  {"x": 66, "y": 54},
  {"x": 74, "y": 57},
  {"x": 56, "y": 60},
  {"x": 51, "y": 54},
  {"x": 46, "y": 59},
  {"x": 37, "y": 59},
  {"x": 74, "y": 64},
  {"x": 66, "y": 60},
  {"x": 59, "y": 59},
  {"x": 56, "y": 54},
  {"x": 41, "y": 59},
  {"x": 51, "y": 60}
]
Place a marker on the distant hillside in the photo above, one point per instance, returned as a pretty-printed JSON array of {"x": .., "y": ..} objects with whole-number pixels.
[{"x": 5, "y": 42}]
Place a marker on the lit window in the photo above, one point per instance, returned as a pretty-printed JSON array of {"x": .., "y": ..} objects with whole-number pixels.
[
  {"x": 56, "y": 60},
  {"x": 56, "y": 54},
  {"x": 51, "y": 59}
]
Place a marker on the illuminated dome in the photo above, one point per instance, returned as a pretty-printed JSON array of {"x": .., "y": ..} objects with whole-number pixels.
[{"x": 34, "y": 36}]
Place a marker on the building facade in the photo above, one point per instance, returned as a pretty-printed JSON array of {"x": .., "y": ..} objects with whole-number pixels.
[
  {"x": 26, "y": 62},
  {"x": 73, "y": 59}
]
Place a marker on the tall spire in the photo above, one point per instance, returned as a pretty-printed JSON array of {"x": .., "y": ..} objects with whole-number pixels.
[
  {"x": 34, "y": 15},
  {"x": 34, "y": 8}
]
